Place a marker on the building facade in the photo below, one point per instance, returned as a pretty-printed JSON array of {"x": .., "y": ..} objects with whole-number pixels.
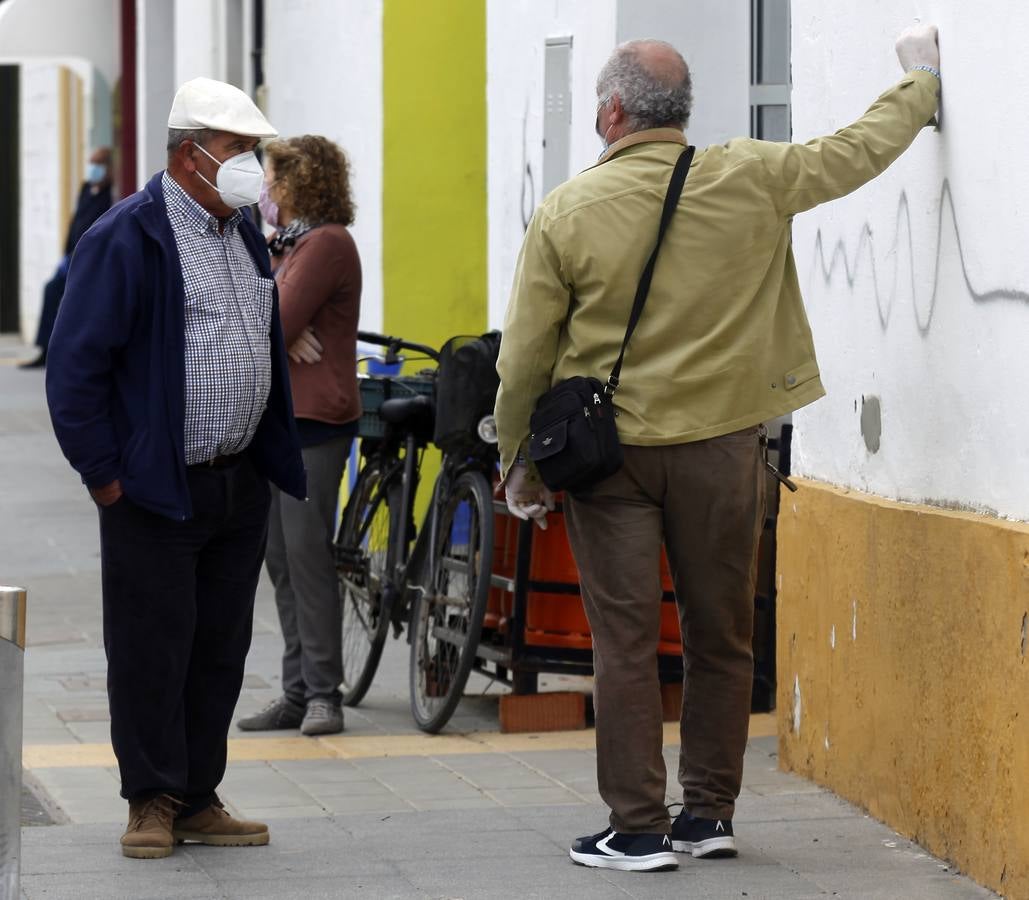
[
  {"x": 904, "y": 558},
  {"x": 903, "y": 572}
]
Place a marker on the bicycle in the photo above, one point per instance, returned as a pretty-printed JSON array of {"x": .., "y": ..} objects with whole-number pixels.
[{"x": 434, "y": 579}]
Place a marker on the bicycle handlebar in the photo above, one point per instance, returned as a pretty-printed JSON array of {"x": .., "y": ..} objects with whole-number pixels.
[{"x": 394, "y": 345}]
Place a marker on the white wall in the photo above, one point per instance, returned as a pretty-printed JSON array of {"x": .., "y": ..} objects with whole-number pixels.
[
  {"x": 198, "y": 40},
  {"x": 85, "y": 39},
  {"x": 41, "y": 36},
  {"x": 155, "y": 83},
  {"x": 516, "y": 34},
  {"x": 57, "y": 29},
  {"x": 42, "y": 232},
  {"x": 892, "y": 313},
  {"x": 180, "y": 40},
  {"x": 714, "y": 36},
  {"x": 323, "y": 70}
]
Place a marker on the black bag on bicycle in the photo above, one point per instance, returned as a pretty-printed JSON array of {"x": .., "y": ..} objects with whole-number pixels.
[
  {"x": 573, "y": 436},
  {"x": 466, "y": 388}
]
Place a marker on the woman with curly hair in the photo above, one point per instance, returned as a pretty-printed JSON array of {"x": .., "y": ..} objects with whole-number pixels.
[{"x": 307, "y": 198}]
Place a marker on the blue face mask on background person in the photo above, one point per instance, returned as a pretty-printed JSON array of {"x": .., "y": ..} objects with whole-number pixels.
[
  {"x": 239, "y": 178},
  {"x": 96, "y": 173}
]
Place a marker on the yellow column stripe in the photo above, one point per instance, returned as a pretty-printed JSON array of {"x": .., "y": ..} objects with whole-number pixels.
[
  {"x": 64, "y": 149},
  {"x": 434, "y": 230}
]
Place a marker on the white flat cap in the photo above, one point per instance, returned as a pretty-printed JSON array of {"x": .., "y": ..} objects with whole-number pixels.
[{"x": 206, "y": 103}]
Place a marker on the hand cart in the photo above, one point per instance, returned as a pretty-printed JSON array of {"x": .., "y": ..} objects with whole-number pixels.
[{"x": 535, "y": 622}]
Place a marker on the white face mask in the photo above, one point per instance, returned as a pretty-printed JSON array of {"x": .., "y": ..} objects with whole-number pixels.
[
  {"x": 596, "y": 127},
  {"x": 239, "y": 178}
]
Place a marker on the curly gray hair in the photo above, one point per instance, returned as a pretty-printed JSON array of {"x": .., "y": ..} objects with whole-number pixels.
[{"x": 652, "y": 96}]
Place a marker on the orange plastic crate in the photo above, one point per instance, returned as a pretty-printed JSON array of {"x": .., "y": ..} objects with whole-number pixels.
[
  {"x": 557, "y": 620},
  {"x": 554, "y": 619}
]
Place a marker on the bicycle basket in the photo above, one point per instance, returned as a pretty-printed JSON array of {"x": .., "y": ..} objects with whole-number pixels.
[
  {"x": 467, "y": 383},
  {"x": 376, "y": 389}
]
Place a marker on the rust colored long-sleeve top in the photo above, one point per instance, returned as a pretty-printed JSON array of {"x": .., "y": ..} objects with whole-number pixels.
[{"x": 319, "y": 282}]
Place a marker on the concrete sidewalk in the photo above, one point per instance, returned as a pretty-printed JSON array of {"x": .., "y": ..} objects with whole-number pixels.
[{"x": 382, "y": 811}]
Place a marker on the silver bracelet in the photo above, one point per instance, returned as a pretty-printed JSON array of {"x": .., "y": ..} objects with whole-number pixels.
[{"x": 930, "y": 69}]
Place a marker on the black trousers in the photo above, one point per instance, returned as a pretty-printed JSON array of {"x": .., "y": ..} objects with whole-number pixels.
[
  {"x": 53, "y": 291},
  {"x": 178, "y": 615}
]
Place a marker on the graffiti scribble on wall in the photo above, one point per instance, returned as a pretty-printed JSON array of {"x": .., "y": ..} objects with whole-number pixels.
[
  {"x": 528, "y": 199},
  {"x": 903, "y": 220}
]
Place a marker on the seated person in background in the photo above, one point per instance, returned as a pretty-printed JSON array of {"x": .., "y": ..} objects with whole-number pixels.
[{"x": 94, "y": 201}]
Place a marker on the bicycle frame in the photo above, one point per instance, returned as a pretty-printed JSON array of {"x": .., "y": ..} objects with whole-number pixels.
[
  {"x": 410, "y": 558},
  {"x": 407, "y": 570},
  {"x": 401, "y": 514},
  {"x": 399, "y": 612},
  {"x": 393, "y": 346},
  {"x": 389, "y": 448},
  {"x": 482, "y": 457}
]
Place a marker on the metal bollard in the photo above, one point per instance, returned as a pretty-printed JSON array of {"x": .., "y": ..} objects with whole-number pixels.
[{"x": 12, "y": 678}]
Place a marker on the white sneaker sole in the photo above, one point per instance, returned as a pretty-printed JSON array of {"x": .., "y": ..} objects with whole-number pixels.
[
  {"x": 712, "y": 847},
  {"x": 654, "y": 862}
]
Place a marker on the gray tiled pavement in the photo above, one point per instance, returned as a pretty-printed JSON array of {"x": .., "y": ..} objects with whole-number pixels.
[{"x": 449, "y": 825}]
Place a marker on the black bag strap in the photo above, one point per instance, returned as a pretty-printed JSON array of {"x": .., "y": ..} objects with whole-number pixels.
[{"x": 679, "y": 173}]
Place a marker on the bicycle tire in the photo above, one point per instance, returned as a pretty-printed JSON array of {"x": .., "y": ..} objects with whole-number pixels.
[
  {"x": 365, "y": 558},
  {"x": 445, "y": 635}
]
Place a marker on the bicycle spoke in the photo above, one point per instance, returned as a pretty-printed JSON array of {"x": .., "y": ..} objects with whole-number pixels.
[
  {"x": 449, "y": 616},
  {"x": 358, "y": 609},
  {"x": 363, "y": 550}
]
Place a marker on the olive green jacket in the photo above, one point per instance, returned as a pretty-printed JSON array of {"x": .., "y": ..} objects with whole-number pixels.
[{"x": 724, "y": 342}]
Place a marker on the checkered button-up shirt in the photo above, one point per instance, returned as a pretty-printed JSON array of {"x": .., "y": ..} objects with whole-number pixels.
[{"x": 228, "y": 322}]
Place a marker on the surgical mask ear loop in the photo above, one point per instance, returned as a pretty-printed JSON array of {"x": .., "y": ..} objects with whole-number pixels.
[{"x": 213, "y": 187}]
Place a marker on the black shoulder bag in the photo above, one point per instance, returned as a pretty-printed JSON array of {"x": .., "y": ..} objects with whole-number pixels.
[{"x": 574, "y": 439}]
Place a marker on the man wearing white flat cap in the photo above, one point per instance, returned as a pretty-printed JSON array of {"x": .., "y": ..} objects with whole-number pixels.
[{"x": 169, "y": 395}]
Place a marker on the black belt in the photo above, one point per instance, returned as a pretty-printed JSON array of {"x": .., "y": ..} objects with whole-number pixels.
[{"x": 222, "y": 461}]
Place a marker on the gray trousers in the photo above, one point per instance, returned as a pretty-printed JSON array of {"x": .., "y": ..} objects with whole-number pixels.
[{"x": 302, "y": 569}]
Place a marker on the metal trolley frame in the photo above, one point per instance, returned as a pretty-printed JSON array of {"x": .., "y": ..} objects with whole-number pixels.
[{"x": 505, "y": 654}]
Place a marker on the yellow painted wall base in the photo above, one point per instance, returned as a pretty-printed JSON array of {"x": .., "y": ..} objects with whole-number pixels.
[{"x": 903, "y": 671}]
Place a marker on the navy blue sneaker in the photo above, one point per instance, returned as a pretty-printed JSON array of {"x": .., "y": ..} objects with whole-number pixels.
[
  {"x": 629, "y": 852},
  {"x": 703, "y": 838}
]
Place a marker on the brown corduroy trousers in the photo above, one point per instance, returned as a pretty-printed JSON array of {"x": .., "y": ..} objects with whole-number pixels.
[{"x": 706, "y": 502}]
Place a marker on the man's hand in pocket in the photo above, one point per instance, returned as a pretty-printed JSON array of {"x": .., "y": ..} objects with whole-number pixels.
[{"x": 107, "y": 495}]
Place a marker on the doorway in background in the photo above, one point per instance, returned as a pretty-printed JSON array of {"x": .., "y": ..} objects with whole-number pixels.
[{"x": 10, "y": 319}]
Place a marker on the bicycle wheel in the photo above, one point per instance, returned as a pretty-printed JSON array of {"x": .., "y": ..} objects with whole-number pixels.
[
  {"x": 448, "y": 613},
  {"x": 365, "y": 559}
]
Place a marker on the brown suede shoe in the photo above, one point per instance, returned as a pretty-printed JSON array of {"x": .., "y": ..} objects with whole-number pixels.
[
  {"x": 216, "y": 827},
  {"x": 149, "y": 835}
]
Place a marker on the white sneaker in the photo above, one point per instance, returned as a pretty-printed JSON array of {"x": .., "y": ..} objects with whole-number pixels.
[{"x": 629, "y": 852}]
